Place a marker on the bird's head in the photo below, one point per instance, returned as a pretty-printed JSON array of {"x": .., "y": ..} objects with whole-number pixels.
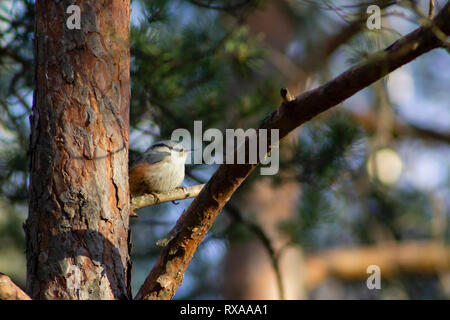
[{"x": 174, "y": 148}]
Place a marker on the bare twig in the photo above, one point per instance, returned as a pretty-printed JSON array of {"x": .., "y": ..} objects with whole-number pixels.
[
  {"x": 426, "y": 21},
  {"x": 431, "y": 10},
  {"x": 194, "y": 223},
  {"x": 10, "y": 291},
  {"x": 149, "y": 199}
]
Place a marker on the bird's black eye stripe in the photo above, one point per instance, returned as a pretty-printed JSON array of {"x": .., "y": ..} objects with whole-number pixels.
[
  {"x": 165, "y": 145},
  {"x": 161, "y": 145}
]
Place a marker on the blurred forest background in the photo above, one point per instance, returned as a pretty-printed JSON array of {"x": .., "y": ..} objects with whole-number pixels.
[{"x": 365, "y": 183}]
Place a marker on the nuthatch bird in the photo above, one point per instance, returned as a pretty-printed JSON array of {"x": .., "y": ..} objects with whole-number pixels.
[{"x": 159, "y": 169}]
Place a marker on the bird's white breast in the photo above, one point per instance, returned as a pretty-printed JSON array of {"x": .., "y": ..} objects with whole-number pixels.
[{"x": 169, "y": 175}]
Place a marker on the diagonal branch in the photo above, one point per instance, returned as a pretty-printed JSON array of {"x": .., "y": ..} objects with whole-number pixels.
[
  {"x": 10, "y": 291},
  {"x": 194, "y": 223}
]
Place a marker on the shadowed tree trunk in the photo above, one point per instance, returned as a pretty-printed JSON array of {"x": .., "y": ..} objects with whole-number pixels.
[{"x": 77, "y": 229}]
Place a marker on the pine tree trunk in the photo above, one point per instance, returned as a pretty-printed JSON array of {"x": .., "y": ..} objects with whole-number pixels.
[{"x": 77, "y": 228}]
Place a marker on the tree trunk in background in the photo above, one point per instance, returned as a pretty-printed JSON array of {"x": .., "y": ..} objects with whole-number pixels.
[
  {"x": 77, "y": 228},
  {"x": 248, "y": 268}
]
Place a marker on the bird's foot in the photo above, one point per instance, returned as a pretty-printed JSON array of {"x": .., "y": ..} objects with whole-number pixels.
[
  {"x": 182, "y": 188},
  {"x": 185, "y": 193},
  {"x": 155, "y": 195}
]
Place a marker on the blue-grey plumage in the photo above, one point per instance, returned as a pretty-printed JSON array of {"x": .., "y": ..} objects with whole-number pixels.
[{"x": 159, "y": 169}]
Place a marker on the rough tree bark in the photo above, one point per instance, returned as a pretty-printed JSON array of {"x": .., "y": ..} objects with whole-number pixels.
[{"x": 79, "y": 206}]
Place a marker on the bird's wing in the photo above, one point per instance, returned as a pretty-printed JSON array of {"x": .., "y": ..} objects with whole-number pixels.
[
  {"x": 155, "y": 157},
  {"x": 138, "y": 175},
  {"x": 152, "y": 157}
]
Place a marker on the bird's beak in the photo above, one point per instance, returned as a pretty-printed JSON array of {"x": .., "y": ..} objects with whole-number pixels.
[{"x": 189, "y": 150}]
